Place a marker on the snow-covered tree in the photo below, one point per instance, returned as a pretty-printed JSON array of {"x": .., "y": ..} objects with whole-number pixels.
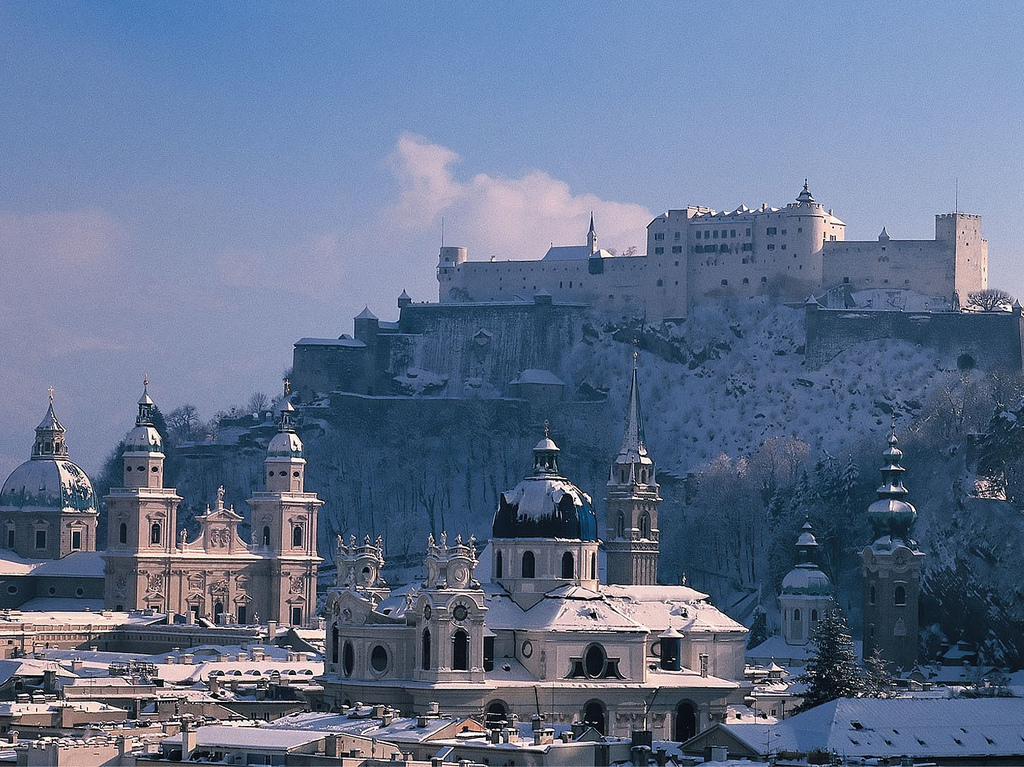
[
  {"x": 989, "y": 300},
  {"x": 758, "y": 628},
  {"x": 878, "y": 682},
  {"x": 832, "y": 671}
]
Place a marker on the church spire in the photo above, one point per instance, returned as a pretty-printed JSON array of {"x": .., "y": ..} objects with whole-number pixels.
[
  {"x": 592, "y": 236},
  {"x": 891, "y": 515},
  {"x": 633, "y": 448}
]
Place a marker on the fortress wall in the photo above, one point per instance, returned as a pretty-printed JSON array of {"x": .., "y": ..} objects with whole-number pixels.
[
  {"x": 326, "y": 367},
  {"x": 622, "y": 285},
  {"x": 925, "y": 266},
  {"x": 480, "y": 348},
  {"x": 988, "y": 339}
]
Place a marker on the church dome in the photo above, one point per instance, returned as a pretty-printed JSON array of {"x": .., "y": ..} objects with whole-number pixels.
[
  {"x": 285, "y": 444},
  {"x": 144, "y": 438},
  {"x": 49, "y": 480},
  {"x": 806, "y": 577},
  {"x": 545, "y": 504},
  {"x": 890, "y": 515}
]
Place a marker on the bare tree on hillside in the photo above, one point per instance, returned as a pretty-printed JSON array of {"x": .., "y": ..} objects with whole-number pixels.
[{"x": 990, "y": 300}]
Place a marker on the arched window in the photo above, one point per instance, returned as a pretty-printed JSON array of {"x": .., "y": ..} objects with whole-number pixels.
[
  {"x": 796, "y": 615},
  {"x": 814, "y": 616},
  {"x": 497, "y": 564},
  {"x": 593, "y": 565},
  {"x": 460, "y": 651},
  {"x": 154, "y": 533},
  {"x": 297, "y": 536},
  {"x": 348, "y": 659},
  {"x": 266, "y": 535},
  {"x": 334, "y": 643},
  {"x": 426, "y": 649},
  {"x": 645, "y": 526},
  {"x": 568, "y": 565},
  {"x": 122, "y": 533},
  {"x": 218, "y": 610},
  {"x": 495, "y": 713},
  {"x": 529, "y": 565},
  {"x": 899, "y": 597},
  {"x": 620, "y": 526}
]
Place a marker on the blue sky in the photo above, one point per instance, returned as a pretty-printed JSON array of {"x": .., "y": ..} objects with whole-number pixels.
[{"x": 188, "y": 188}]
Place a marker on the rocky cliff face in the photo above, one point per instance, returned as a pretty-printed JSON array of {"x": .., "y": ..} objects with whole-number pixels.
[{"x": 747, "y": 440}]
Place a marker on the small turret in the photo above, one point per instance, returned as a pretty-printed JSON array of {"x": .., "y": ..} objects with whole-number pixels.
[
  {"x": 806, "y": 591},
  {"x": 284, "y": 463},
  {"x": 592, "y": 236},
  {"x": 143, "y": 448},
  {"x": 805, "y": 195}
]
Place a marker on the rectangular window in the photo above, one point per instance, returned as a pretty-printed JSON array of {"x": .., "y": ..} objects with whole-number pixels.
[
  {"x": 771, "y": 247},
  {"x": 696, "y": 249},
  {"x": 771, "y": 230},
  {"x": 658, "y": 251},
  {"x": 714, "y": 234},
  {"x": 799, "y": 229},
  {"x": 748, "y": 231},
  {"x": 677, "y": 235},
  {"x": 677, "y": 248},
  {"x": 783, "y": 246},
  {"x": 783, "y": 231},
  {"x": 296, "y": 616},
  {"x": 10, "y": 538},
  {"x": 732, "y": 232},
  {"x": 659, "y": 235},
  {"x": 725, "y": 233},
  {"x": 748, "y": 246},
  {"x": 76, "y": 539},
  {"x": 40, "y": 539}
]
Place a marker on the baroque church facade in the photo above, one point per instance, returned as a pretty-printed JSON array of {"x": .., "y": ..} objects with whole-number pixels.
[
  {"x": 48, "y": 520},
  {"x": 151, "y": 564},
  {"x": 540, "y": 634}
]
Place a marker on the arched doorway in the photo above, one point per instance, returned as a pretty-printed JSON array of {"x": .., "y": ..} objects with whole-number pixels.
[
  {"x": 595, "y": 715},
  {"x": 686, "y": 722}
]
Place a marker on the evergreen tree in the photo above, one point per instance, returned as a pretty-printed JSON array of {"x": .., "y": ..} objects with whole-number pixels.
[
  {"x": 758, "y": 628},
  {"x": 832, "y": 671},
  {"x": 878, "y": 682}
]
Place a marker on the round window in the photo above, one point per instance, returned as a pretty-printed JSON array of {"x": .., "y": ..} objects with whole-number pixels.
[
  {"x": 52, "y": 590},
  {"x": 426, "y": 613},
  {"x": 460, "y": 612},
  {"x": 379, "y": 659},
  {"x": 12, "y": 589},
  {"x": 594, "y": 661},
  {"x": 527, "y": 648},
  {"x": 79, "y": 591}
]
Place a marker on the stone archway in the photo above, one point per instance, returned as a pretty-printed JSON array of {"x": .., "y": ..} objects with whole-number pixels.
[{"x": 685, "y": 726}]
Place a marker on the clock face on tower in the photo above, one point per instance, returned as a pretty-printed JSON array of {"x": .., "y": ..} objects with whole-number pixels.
[
  {"x": 901, "y": 559},
  {"x": 460, "y": 612}
]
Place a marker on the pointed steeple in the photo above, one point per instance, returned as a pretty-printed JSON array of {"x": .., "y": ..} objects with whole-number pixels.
[
  {"x": 592, "y": 236},
  {"x": 633, "y": 449},
  {"x": 145, "y": 416}
]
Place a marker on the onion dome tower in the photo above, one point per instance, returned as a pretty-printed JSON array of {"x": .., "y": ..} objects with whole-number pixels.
[
  {"x": 632, "y": 533},
  {"x": 892, "y": 569},
  {"x": 544, "y": 533},
  {"x": 806, "y": 592},
  {"x": 47, "y": 505}
]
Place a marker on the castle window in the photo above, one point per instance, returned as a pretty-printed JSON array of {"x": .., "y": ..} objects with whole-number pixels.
[
  {"x": 899, "y": 597},
  {"x": 660, "y": 283},
  {"x": 714, "y": 234},
  {"x": 764, "y": 279},
  {"x": 460, "y": 651},
  {"x": 529, "y": 565},
  {"x": 497, "y": 564},
  {"x": 771, "y": 247},
  {"x": 76, "y": 539},
  {"x": 725, "y": 283},
  {"x": 154, "y": 533},
  {"x": 10, "y": 537},
  {"x": 296, "y": 536},
  {"x": 771, "y": 230},
  {"x": 425, "y": 650},
  {"x": 677, "y": 236},
  {"x": 814, "y": 616},
  {"x": 658, "y": 251},
  {"x": 748, "y": 231},
  {"x": 677, "y": 248},
  {"x": 784, "y": 247},
  {"x": 266, "y": 535},
  {"x": 871, "y": 595},
  {"x": 796, "y": 615},
  {"x": 568, "y": 565},
  {"x": 745, "y": 280},
  {"x": 122, "y": 533}
]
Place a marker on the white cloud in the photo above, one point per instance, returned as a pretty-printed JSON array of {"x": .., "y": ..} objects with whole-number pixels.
[{"x": 501, "y": 216}]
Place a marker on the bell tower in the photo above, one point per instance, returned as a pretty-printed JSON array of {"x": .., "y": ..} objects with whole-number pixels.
[
  {"x": 892, "y": 569},
  {"x": 632, "y": 531},
  {"x": 141, "y": 521},
  {"x": 284, "y": 529}
]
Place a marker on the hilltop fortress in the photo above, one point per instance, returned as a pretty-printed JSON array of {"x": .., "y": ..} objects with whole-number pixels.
[{"x": 697, "y": 253}]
